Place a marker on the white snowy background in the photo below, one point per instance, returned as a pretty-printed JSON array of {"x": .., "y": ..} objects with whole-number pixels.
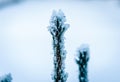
[{"x": 26, "y": 44}]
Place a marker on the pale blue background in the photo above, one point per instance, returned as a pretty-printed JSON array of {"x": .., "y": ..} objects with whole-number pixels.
[{"x": 26, "y": 44}]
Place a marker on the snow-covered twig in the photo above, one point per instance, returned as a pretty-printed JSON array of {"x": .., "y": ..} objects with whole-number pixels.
[
  {"x": 82, "y": 61},
  {"x": 57, "y": 28}
]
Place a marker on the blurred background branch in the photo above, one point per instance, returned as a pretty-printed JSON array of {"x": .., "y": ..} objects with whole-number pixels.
[{"x": 6, "y": 3}]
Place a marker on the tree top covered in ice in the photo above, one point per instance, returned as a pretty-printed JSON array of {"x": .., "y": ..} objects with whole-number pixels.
[{"x": 57, "y": 24}]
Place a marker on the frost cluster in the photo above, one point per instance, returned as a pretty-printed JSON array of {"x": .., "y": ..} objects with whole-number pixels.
[
  {"x": 6, "y": 78},
  {"x": 57, "y": 23}
]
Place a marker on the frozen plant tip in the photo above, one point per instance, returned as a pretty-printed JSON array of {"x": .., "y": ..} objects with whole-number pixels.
[
  {"x": 57, "y": 28},
  {"x": 82, "y": 61}
]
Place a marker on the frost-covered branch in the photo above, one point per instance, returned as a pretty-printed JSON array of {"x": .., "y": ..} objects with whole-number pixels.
[
  {"x": 82, "y": 61},
  {"x": 6, "y": 78},
  {"x": 57, "y": 28}
]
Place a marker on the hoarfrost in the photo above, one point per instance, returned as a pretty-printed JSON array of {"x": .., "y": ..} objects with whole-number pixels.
[
  {"x": 57, "y": 29},
  {"x": 84, "y": 48},
  {"x": 82, "y": 60}
]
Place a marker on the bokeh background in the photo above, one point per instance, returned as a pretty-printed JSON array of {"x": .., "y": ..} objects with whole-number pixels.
[{"x": 26, "y": 44}]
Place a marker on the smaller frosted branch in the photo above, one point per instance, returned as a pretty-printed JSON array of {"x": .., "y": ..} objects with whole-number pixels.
[{"x": 82, "y": 61}]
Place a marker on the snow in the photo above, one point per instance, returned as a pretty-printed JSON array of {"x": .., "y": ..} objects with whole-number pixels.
[
  {"x": 84, "y": 47},
  {"x": 25, "y": 42}
]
